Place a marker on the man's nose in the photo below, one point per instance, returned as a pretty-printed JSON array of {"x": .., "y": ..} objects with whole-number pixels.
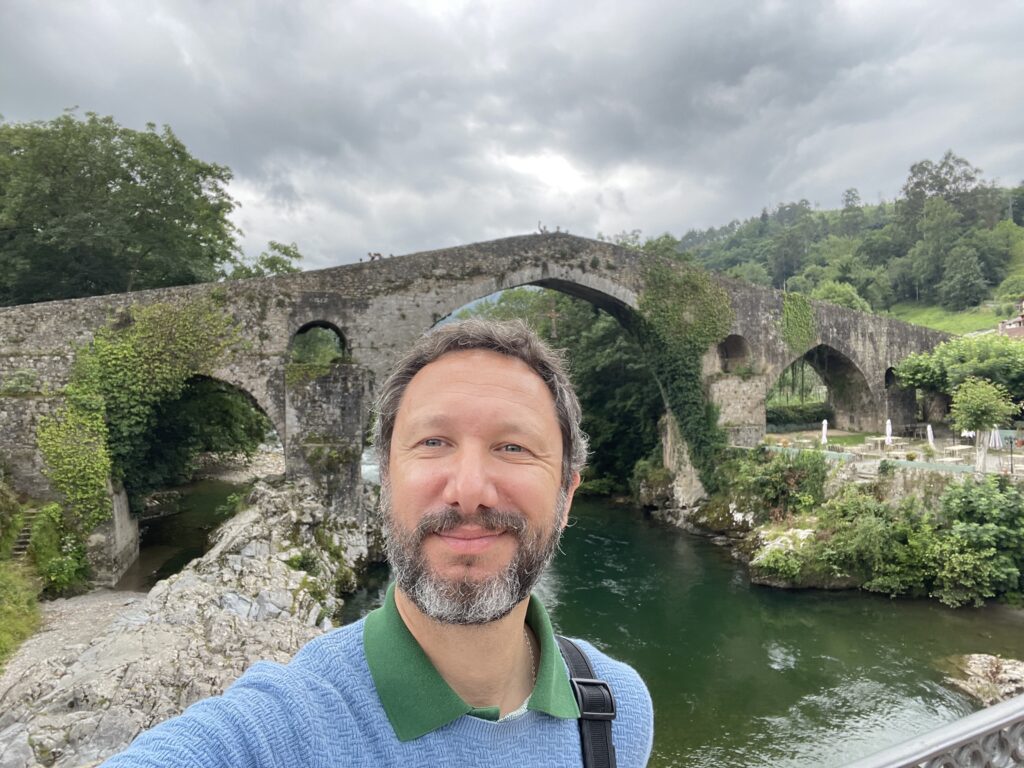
[{"x": 471, "y": 483}]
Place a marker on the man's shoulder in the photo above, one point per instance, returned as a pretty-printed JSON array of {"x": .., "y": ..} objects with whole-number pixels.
[
  {"x": 633, "y": 727},
  {"x": 341, "y": 647},
  {"x": 605, "y": 665}
]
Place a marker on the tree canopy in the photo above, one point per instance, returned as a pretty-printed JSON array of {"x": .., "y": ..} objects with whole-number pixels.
[
  {"x": 979, "y": 405},
  {"x": 89, "y": 207},
  {"x": 994, "y": 357},
  {"x": 949, "y": 239}
]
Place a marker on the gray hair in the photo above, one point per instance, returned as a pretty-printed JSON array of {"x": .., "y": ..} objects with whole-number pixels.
[{"x": 511, "y": 338}]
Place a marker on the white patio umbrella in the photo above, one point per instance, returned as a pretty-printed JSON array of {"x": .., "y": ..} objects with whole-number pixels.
[
  {"x": 931, "y": 436},
  {"x": 824, "y": 431},
  {"x": 995, "y": 440},
  {"x": 888, "y": 431}
]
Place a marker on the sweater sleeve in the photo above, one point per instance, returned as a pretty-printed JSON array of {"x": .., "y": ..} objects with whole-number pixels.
[{"x": 260, "y": 721}]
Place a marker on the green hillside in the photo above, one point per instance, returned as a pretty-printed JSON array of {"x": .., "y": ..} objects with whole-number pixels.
[{"x": 947, "y": 253}]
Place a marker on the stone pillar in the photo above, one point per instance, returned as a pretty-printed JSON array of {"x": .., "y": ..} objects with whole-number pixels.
[
  {"x": 901, "y": 405},
  {"x": 114, "y": 545},
  {"x": 323, "y": 440},
  {"x": 741, "y": 409},
  {"x": 687, "y": 488}
]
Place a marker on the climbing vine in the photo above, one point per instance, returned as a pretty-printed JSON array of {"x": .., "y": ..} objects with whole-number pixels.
[
  {"x": 142, "y": 358},
  {"x": 797, "y": 324},
  {"x": 683, "y": 313}
]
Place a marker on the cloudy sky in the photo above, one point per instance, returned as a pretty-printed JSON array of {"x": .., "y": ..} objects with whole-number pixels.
[{"x": 406, "y": 126}]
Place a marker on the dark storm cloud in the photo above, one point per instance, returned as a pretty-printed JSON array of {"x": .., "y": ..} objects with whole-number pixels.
[{"x": 397, "y": 127}]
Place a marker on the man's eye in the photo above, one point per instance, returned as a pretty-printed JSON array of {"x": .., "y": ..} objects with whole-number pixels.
[
  {"x": 513, "y": 448},
  {"x": 432, "y": 442}
]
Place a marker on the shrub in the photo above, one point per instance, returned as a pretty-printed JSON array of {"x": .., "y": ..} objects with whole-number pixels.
[
  {"x": 781, "y": 485},
  {"x": 59, "y": 556},
  {"x": 304, "y": 561},
  {"x": 799, "y": 413},
  {"x": 780, "y": 562}
]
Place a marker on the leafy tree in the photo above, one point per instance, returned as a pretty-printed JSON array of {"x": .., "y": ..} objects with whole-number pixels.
[
  {"x": 278, "y": 259},
  {"x": 1015, "y": 205},
  {"x": 880, "y": 246},
  {"x": 89, "y": 207},
  {"x": 851, "y": 219},
  {"x": 996, "y": 358},
  {"x": 940, "y": 230},
  {"x": 994, "y": 248},
  {"x": 209, "y": 416},
  {"x": 963, "y": 284},
  {"x": 843, "y": 294},
  {"x": 980, "y": 405},
  {"x": 1011, "y": 288},
  {"x": 953, "y": 180}
]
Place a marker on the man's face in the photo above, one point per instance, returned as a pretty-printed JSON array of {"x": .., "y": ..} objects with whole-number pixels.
[{"x": 473, "y": 503}]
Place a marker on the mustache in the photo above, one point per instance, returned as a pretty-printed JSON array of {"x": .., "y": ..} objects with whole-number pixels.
[{"x": 450, "y": 518}]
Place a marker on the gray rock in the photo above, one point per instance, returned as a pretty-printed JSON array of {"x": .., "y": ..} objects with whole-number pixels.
[{"x": 74, "y": 702}]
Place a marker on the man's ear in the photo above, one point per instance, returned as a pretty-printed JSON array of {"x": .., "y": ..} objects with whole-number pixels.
[{"x": 574, "y": 483}]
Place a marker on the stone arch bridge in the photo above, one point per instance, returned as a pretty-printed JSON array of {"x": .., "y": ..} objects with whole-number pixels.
[{"x": 379, "y": 307}]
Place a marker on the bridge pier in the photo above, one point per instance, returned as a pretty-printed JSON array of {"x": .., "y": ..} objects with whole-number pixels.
[
  {"x": 740, "y": 400},
  {"x": 114, "y": 545},
  {"x": 323, "y": 440}
]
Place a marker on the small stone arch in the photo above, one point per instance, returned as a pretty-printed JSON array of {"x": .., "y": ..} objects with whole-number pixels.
[
  {"x": 327, "y": 331},
  {"x": 734, "y": 353}
]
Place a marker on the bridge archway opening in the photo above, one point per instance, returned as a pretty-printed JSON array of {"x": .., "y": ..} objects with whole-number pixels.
[
  {"x": 621, "y": 400},
  {"x": 847, "y": 391},
  {"x": 823, "y": 383},
  {"x": 213, "y": 430},
  {"x": 905, "y": 406},
  {"x": 734, "y": 354},
  {"x": 318, "y": 342}
]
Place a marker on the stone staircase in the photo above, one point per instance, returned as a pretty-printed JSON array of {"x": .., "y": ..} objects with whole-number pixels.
[
  {"x": 20, "y": 548},
  {"x": 867, "y": 472}
]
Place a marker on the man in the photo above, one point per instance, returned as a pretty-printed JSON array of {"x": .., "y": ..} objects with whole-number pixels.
[{"x": 478, "y": 433}]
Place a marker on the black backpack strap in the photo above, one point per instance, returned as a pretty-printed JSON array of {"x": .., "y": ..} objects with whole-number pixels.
[{"x": 597, "y": 707}]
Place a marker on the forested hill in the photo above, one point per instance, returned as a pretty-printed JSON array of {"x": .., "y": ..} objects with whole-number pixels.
[{"x": 950, "y": 239}]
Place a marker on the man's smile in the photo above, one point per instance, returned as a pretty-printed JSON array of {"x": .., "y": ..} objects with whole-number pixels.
[{"x": 470, "y": 539}]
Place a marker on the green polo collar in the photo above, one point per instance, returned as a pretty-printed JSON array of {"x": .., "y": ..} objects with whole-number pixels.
[{"x": 416, "y": 698}]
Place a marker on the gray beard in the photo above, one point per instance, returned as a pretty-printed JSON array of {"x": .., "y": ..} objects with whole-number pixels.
[{"x": 464, "y": 601}]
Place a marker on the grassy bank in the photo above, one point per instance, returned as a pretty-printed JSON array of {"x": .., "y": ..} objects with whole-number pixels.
[
  {"x": 931, "y": 316},
  {"x": 19, "y": 608}
]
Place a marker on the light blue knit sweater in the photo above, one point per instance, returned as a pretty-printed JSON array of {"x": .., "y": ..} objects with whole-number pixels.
[{"x": 322, "y": 710}]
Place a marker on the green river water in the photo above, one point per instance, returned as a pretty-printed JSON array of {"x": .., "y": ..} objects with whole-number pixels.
[{"x": 743, "y": 675}]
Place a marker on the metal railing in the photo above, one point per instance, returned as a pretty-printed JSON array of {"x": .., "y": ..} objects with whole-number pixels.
[{"x": 991, "y": 738}]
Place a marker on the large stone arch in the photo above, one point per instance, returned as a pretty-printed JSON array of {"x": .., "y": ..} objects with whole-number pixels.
[{"x": 614, "y": 299}]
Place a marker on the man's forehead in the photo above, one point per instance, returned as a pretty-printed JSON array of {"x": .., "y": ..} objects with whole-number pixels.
[{"x": 477, "y": 371}]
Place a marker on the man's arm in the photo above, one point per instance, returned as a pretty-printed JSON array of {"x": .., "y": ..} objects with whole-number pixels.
[{"x": 257, "y": 722}]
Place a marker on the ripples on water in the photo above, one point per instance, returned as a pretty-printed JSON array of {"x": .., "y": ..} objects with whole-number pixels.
[{"x": 751, "y": 676}]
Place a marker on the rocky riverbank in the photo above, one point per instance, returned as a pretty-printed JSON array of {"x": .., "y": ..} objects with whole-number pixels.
[
  {"x": 108, "y": 665},
  {"x": 988, "y": 679}
]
